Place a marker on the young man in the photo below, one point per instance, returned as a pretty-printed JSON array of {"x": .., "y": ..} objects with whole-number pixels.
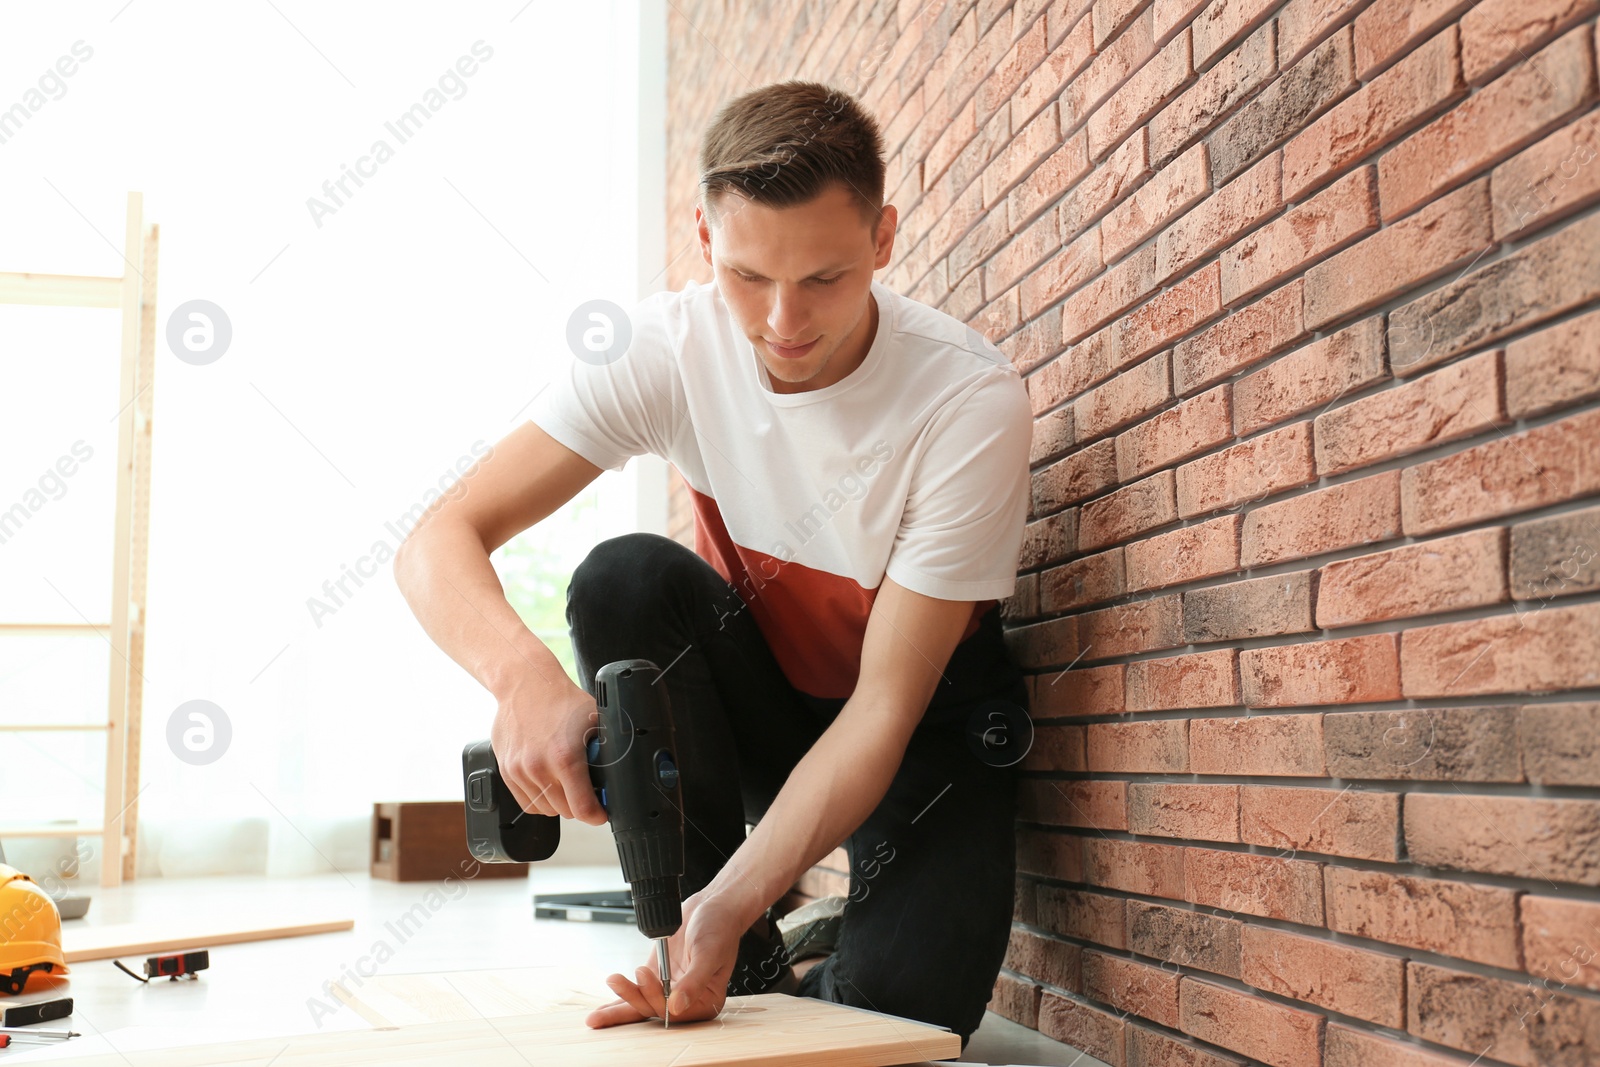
[{"x": 857, "y": 464}]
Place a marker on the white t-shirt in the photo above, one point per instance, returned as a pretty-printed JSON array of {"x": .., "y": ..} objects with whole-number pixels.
[{"x": 914, "y": 465}]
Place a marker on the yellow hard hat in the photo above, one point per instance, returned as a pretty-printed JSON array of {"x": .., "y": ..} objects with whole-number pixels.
[{"x": 30, "y": 931}]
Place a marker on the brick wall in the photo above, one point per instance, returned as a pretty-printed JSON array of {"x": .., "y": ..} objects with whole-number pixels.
[{"x": 1307, "y": 298}]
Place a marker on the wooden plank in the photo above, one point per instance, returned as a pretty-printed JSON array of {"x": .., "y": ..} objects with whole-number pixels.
[
  {"x": 47, "y": 829},
  {"x": 770, "y": 1030},
  {"x": 143, "y": 938},
  {"x": 60, "y": 290}
]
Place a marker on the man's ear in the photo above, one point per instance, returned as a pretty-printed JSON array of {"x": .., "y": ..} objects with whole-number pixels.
[
  {"x": 887, "y": 226},
  {"x": 702, "y": 227}
]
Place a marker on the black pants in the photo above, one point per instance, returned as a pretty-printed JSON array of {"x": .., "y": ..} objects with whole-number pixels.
[{"x": 932, "y": 868}]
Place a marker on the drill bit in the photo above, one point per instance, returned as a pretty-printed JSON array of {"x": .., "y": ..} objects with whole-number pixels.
[{"x": 665, "y": 962}]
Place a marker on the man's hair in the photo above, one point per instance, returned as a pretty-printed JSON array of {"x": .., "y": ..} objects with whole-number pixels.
[{"x": 783, "y": 143}]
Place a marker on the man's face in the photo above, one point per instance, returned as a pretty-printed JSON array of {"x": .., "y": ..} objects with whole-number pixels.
[{"x": 798, "y": 276}]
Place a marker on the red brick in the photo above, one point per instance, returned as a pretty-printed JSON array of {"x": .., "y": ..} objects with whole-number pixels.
[
  {"x": 1384, "y": 110},
  {"x": 1470, "y": 922},
  {"x": 1151, "y": 1048},
  {"x": 1534, "y": 652},
  {"x": 1549, "y": 181},
  {"x": 1031, "y": 145},
  {"x": 1087, "y": 580},
  {"x": 1251, "y": 470},
  {"x": 1092, "y": 805},
  {"x": 1175, "y": 434},
  {"x": 1456, "y": 401},
  {"x": 1524, "y": 837},
  {"x": 1283, "y": 745},
  {"x": 1253, "y": 607},
  {"x": 1058, "y": 173},
  {"x": 1050, "y": 854},
  {"x": 1489, "y": 126},
  {"x": 1112, "y": 65},
  {"x": 1334, "y": 822},
  {"x": 1546, "y": 465},
  {"x": 995, "y": 92},
  {"x": 1435, "y": 241},
  {"x": 1562, "y": 743},
  {"x": 1204, "y": 812},
  {"x": 1050, "y": 539},
  {"x": 1559, "y": 940},
  {"x": 1340, "y": 516},
  {"x": 1157, "y": 81},
  {"x": 1134, "y": 867},
  {"x": 1191, "y": 303},
  {"x": 1088, "y": 1029},
  {"x": 1258, "y": 885},
  {"x": 1093, "y": 917},
  {"x": 1185, "y": 937},
  {"x": 1352, "y": 981},
  {"x": 1030, "y": 346},
  {"x": 1204, "y": 550},
  {"x": 1349, "y": 670},
  {"x": 1318, "y": 374},
  {"x": 1525, "y": 1023},
  {"x": 1173, "y": 15},
  {"x": 1041, "y": 644},
  {"x": 1082, "y": 474},
  {"x": 1222, "y": 23},
  {"x": 1220, "y": 218},
  {"x": 1285, "y": 107},
  {"x": 1024, "y": 902},
  {"x": 1498, "y": 33},
  {"x": 1015, "y": 1000},
  {"x": 1390, "y": 29},
  {"x": 1061, "y": 274},
  {"x": 1554, "y": 368},
  {"x": 1335, "y": 217},
  {"x": 1175, "y": 683},
  {"x": 1130, "y": 511},
  {"x": 1065, "y": 59},
  {"x": 1443, "y": 574},
  {"x": 1169, "y": 193},
  {"x": 1111, "y": 17},
  {"x": 1157, "y": 747},
  {"x": 1244, "y": 338},
  {"x": 1213, "y": 96},
  {"x": 1126, "y": 629},
  {"x": 1259, "y": 1028},
  {"x": 1080, "y": 691},
  {"x": 1425, "y": 744},
  {"x": 1124, "y": 399},
  {"x": 1056, "y": 748},
  {"x": 1302, "y": 24},
  {"x": 1106, "y": 186},
  {"x": 1044, "y": 959},
  {"x": 962, "y": 127},
  {"x": 1132, "y": 987},
  {"x": 1345, "y": 1047},
  {"x": 1108, "y": 295},
  {"x": 1023, "y": 603}
]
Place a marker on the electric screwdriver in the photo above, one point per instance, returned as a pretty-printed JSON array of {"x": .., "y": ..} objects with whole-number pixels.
[{"x": 634, "y": 772}]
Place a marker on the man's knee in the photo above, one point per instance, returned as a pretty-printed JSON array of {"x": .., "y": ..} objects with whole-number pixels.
[{"x": 618, "y": 571}]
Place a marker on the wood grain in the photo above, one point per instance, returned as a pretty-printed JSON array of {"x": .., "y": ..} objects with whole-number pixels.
[{"x": 770, "y": 1030}]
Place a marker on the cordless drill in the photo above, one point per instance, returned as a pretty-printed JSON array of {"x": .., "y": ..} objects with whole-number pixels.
[{"x": 635, "y": 777}]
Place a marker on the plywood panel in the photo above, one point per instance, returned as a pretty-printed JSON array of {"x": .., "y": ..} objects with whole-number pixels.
[
  {"x": 770, "y": 1030},
  {"x": 173, "y": 935}
]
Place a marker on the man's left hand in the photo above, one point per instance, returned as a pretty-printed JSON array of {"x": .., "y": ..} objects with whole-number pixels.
[{"x": 703, "y": 953}]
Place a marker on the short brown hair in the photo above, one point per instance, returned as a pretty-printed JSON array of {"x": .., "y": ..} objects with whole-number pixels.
[{"x": 781, "y": 144}]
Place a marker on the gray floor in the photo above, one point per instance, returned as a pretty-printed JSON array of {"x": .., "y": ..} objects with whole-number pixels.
[{"x": 275, "y": 988}]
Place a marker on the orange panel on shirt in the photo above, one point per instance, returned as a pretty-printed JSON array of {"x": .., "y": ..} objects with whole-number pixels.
[{"x": 812, "y": 620}]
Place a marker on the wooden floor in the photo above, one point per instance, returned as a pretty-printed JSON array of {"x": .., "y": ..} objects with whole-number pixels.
[{"x": 376, "y": 974}]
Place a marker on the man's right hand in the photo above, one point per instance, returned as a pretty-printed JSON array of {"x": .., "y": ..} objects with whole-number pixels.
[{"x": 538, "y": 740}]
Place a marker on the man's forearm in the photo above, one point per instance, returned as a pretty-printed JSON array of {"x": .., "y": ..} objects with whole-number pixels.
[
  {"x": 445, "y": 575},
  {"x": 830, "y": 792}
]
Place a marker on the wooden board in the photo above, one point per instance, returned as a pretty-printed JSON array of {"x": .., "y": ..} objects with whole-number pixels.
[
  {"x": 770, "y": 1030},
  {"x": 80, "y": 942}
]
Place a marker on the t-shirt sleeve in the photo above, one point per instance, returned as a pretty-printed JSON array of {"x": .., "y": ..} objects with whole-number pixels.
[
  {"x": 610, "y": 411},
  {"x": 960, "y": 535}
]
